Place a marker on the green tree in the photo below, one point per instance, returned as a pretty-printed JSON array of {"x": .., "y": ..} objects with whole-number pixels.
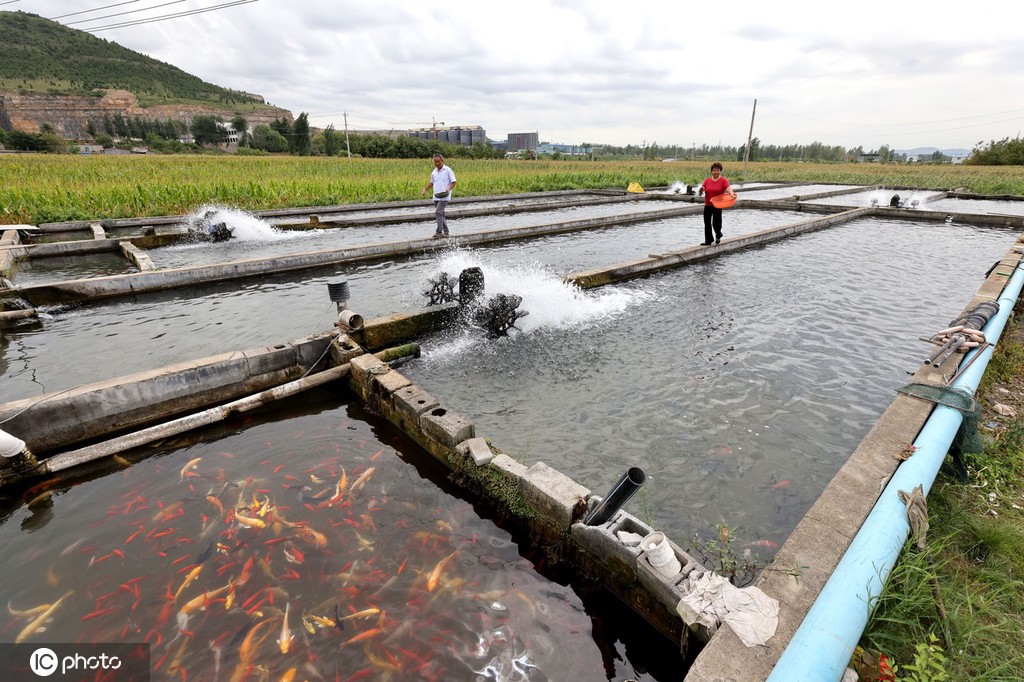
[
  {"x": 266, "y": 138},
  {"x": 299, "y": 141},
  {"x": 205, "y": 130},
  {"x": 241, "y": 126},
  {"x": 1005, "y": 152},
  {"x": 332, "y": 141}
]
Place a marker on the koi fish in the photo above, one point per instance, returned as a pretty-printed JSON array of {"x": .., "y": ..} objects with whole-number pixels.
[
  {"x": 200, "y": 602},
  {"x": 435, "y": 575},
  {"x": 289, "y": 675},
  {"x": 361, "y": 481},
  {"x": 192, "y": 575},
  {"x": 312, "y": 535},
  {"x": 322, "y": 621},
  {"x": 185, "y": 470},
  {"x": 37, "y": 623},
  {"x": 781, "y": 485},
  {"x": 28, "y": 613},
  {"x": 365, "y": 613},
  {"x": 766, "y": 544},
  {"x": 284, "y": 640},
  {"x": 363, "y": 636},
  {"x": 249, "y": 646},
  {"x": 250, "y": 522},
  {"x": 293, "y": 555}
]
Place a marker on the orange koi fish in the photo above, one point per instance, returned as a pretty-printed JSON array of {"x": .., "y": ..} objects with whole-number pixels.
[
  {"x": 363, "y": 636},
  {"x": 365, "y": 613},
  {"x": 284, "y": 640},
  {"x": 192, "y": 575},
  {"x": 435, "y": 575},
  {"x": 200, "y": 602},
  {"x": 250, "y": 522}
]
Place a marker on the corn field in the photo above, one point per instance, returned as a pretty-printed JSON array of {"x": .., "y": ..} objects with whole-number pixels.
[{"x": 41, "y": 188}]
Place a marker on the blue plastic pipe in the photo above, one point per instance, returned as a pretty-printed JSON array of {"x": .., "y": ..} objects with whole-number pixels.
[{"x": 823, "y": 644}]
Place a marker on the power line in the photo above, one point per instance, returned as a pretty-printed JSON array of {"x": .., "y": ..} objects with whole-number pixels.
[
  {"x": 97, "y": 9},
  {"x": 170, "y": 16},
  {"x": 9, "y": 2},
  {"x": 118, "y": 14}
]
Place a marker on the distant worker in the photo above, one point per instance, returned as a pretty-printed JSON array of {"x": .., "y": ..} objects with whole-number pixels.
[
  {"x": 442, "y": 179},
  {"x": 712, "y": 187}
]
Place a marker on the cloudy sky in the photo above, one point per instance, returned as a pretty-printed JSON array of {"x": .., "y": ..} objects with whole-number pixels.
[{"x": 870, "y": 73}]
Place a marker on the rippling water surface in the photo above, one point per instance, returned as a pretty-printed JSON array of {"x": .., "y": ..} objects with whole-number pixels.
[
  {"x": 72, "y": 345},
  {"x": 306, "y": 542},
  {"x": 741, "y": 384}
]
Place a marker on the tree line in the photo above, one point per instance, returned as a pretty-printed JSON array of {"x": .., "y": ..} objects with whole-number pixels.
[{"x": 282, "y": 136}]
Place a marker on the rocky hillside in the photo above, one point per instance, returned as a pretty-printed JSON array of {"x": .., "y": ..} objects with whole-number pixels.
[{"x": 57, "y": 76}]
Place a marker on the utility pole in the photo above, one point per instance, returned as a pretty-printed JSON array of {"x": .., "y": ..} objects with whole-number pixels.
[
  {"x": 750, "y": 135},
  {"x": 347, "y": 148}
]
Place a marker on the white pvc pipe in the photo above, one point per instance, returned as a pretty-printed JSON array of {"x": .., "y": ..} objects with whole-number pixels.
[
  {"x": 823, "y": 644},
  {"x": 10, "y": 446}
]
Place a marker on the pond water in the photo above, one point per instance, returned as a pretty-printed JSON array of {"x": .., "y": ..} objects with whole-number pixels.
[
  {"x": 982, "y": 206},
  {"x": 795, "y": 190},
  {"x": 58, "y": 268},
  {"x": 303, "y": 540},
  {"x": 740, "y": 384},
  {"x": 73, "y": 345},
  {"x": 256, "y": 238}
]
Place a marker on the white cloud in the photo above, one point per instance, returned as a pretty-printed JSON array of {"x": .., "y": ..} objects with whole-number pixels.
[{"x": 600, "y": 71}]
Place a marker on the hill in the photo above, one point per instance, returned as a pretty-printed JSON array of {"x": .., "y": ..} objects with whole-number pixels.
[
  {"x": 928, "y": 151},
  {"x": 44, "y": 64}
]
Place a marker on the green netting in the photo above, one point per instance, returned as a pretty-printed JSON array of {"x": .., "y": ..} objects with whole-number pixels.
[{"x": 961, "y": 400}]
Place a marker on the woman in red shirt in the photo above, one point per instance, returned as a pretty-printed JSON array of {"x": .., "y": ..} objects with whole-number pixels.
[{"x": 712, "y": 187}]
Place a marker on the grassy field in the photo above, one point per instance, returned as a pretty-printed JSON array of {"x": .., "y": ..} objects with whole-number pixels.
[{"x": 41, "y": 188}]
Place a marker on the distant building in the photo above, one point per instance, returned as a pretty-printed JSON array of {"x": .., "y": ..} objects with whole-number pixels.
[
  {"x": 519, "y": 141},
  {"x": 563, "y": 149},
  {"x": 464, "y": 135},
  {"x": 230, "y": 134}
]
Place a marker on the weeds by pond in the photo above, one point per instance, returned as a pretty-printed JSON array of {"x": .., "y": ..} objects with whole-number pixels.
[
  {"x": 41, "y": 188},
  {"x": 964, "y": 593}
]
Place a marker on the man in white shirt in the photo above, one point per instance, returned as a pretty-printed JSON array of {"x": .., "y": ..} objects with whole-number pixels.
[{"x": 442, "y": 179}]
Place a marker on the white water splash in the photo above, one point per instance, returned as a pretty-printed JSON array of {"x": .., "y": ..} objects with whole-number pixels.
[
  {"x": 551, "y": 302},
  {"x": 244, "y": 226}
]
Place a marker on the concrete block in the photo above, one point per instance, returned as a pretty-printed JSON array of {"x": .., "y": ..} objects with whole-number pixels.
[
  {"x": 508, "y": 466},
  {"x": 365, "y": 367},
  {"x": 389, "y": 382},
  {"x": 553, "y": 495},
  {"x": 604, "y": 544},
  {"x": 446, "y": 426},
  {"x": 477, "y": 448},
  {"x": 412, "y": 401},
  {"x": 343, "y": 349}
]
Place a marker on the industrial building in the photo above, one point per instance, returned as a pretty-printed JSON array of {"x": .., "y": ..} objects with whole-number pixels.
[
  {"x": 464, "y": 135},
  {"x": 519, "y": 141}
]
